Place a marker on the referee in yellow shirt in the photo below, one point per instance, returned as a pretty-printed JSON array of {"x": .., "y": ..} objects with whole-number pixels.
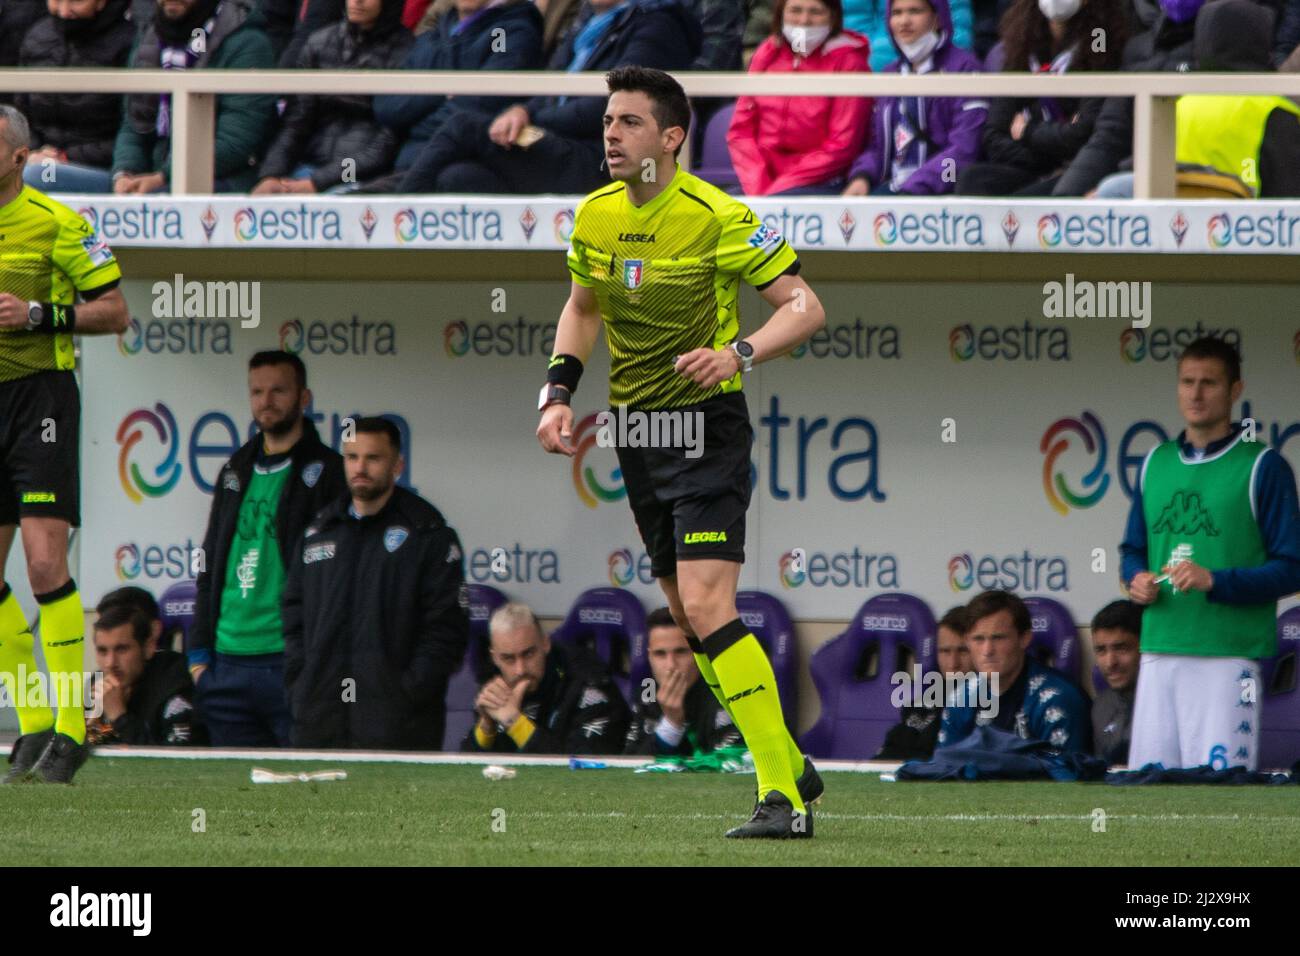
[
  {"x": 57, "y": 280},
  {"x": 657, "y": 257}
]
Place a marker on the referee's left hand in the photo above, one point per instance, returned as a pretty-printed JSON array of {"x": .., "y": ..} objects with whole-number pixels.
[
  {"x": 13, "y": 312},
  {"x": 707, "y": 367}
]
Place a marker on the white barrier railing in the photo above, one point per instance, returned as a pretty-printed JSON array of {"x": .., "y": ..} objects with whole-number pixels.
[{"x": 194, "y": 95}]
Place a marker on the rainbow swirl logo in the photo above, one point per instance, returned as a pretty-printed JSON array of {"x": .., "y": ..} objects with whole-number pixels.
[
  {"x": 961, "y": 572},
  {"x": 563, "y": 225},
  {"x": 455, "y": 339},
  {"x": 91, "y": 215},
  {"x": 1133, "y": 345},
  {"x": 884, "y": 228},
  {"x": 131, "y": 341},
  {"x": 620, "y": 567},
  {"x": 128, "y": 436},
  {"x": 961, "y": 343},
  {"x": 792, "y": 574},
  {"x": 245, "y": 224},
  {"x": 1059, "y": 494},
  {"x": 127, "y": 560},
  {"x": 406, "y": 225},
  {"x": 291, "y": 337},
  {"x": 589, "y": 488},
  {"x": 1049, "y": 230},
  {"x": 1218, "y": 229}
]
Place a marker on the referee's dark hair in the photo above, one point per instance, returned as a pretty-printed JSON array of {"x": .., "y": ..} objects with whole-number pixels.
[
  {"x": 279, "y": 357},
  {"x": 378, "y": 425},
  {"x": 671, "y": 108},
  {"x": 1119, "y": 615},
  {"x": 1213, "y": 347}
]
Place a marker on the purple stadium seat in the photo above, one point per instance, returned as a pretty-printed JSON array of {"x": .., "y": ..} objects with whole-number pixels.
[
  {"x": 769, "y": 621},
  {"x": 463, "y": 686},
  {"x": 1279, "y": 718},
  {"x": 713, "y": 164},
  {"x": 610, "y": 622},
  {"x": 177, "y": 610},
  {"x": 852, "y": 672},
  {"x": 1056, "y": 639}
]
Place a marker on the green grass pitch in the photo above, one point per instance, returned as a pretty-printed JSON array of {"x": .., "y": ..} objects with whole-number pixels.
[{"x": 125, "y": 811}]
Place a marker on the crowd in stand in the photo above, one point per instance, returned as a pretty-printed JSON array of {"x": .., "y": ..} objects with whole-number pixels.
[{"x": 417, "y": 143}]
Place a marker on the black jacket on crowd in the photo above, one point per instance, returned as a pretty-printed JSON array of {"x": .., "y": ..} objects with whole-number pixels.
[
  {"x": 708, "y": 726},
  {"x": 316, "y": 482},
  {"x": 578, "y": 709},
  {"x": 83, "y": 125},
  {"x": 325, "y": 131},
  {"x": 374, "y": 627},
  {"x": 160, "y": 711}
]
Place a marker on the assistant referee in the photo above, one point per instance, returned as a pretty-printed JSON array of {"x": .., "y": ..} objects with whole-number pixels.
[
  {"x": 658, "y": 257},
  {"x": 57, "y": 279}
]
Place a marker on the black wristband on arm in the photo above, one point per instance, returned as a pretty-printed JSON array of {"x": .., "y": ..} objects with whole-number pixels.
[
  {"x": 565, "y": 370},
  {"x": 54, "y": 319}
]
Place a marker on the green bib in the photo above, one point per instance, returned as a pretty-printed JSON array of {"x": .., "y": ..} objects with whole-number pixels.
[
  {"x": 1202, "y": 510},
  {"x": 249, "y": 622}
]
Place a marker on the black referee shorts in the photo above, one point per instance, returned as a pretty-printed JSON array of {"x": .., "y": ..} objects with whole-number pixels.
[
  {"x": 40, "y": 431},
  {"x": 690, "y": 508}
]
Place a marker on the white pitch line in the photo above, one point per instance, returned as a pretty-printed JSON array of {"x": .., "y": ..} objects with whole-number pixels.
[{"x": 923, "y": 818}]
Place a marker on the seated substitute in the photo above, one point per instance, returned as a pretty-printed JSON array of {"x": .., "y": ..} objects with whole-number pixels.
[
  {"x": 683, "y": 716},
  {"x": 145, "y": 696},
  {"x": 1116, "y": 633},
  {"x": 1034, "y": 701},
  {"x": 545, "y": 698},
  {"x": 914, "y": 736}
]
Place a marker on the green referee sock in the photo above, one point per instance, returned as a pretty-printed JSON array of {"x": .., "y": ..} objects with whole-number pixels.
[
  {"x": 63, "y": 636},
  {"x": 711, "y": 679},
  {"x": 18, "y": 664},
  {"x": 745, "y": 678}
]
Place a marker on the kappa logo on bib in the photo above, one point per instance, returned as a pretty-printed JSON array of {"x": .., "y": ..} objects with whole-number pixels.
[
  {"x": 394, "y": 537},
  {"x": 633, "y": 270},
  {"x": 311, "y": 474}
]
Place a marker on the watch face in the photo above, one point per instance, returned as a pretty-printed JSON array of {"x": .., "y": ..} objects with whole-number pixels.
[{"x": 745, "y": 349}]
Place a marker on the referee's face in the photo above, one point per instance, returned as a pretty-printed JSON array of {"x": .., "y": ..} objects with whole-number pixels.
[{"x": 633, "y": 136}]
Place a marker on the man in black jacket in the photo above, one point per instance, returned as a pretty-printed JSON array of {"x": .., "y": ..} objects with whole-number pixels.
[
  {"x": 332, "y": 140},
  {"x": 679, "y": 716},
  {"x": 145, "y": 696},
  {"x": 264, "y": 498},
  {"x": 373, "y": 623},
  {"x": 552, "y": 144},
  {"x": 545, "y": 698}
]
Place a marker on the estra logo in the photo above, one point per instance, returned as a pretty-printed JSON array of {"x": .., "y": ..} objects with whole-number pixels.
[
  {"x": 188, "y": 336},
  {"x": 1013, "y": 572},
  {"x": 499, "y": 339},
  {"x": 1055, "y": 443},
  {"x": 338, "y": 338},
  {"x": 591, "y": 489},
  {"x": 1106, "y": 230},
  {"x": 1167, "y": 344},
  {"x": 1013, "y": 343},
  {"x": 175, "y": 561},
  {"x": 160, "y": 423},
  {"x": 626, "y": 566}
]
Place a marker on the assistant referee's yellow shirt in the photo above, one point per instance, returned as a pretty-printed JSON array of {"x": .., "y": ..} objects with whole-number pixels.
[
  {"x": 47, "y": 254},
  {"x": 667, "y": 277}
]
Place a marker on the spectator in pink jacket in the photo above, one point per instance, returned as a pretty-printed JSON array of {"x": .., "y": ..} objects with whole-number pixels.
[{"x": 801, "y": 145}]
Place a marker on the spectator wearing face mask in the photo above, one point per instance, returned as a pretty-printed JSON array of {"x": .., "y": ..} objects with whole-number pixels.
[
  {"x": 1029, "y": 141},
  {"x": 801, "y": 144},
  {"x": 918, "y": 145},
  {"x": 871, "y": 19}
]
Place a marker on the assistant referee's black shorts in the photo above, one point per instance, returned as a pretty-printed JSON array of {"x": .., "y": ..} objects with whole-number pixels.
[
  {"x": 40, "y": 431},
  {"x": 693, "y": 508}
]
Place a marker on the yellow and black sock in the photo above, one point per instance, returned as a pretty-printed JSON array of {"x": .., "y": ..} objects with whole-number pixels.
[
  {"x": 63, "y": 637},
  {"x": 748, "y": 688},
  {"x": 711, "y": 679},
  {"x": 18, "y": 664}
]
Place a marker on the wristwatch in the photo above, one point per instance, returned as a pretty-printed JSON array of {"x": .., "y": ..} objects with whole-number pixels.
[
  {"x": 746, "y": 353},
  {"x": 35, "y": 316},
  {"x": 552, "y": 394}
]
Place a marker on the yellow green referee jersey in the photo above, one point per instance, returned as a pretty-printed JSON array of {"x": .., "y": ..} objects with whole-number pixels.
[
  {"x": 47, "y": 254},
  {"x": 667, "y": 277}
]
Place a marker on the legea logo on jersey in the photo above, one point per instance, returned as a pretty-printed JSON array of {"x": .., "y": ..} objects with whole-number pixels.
[
  {"x": 1094, "y": 231},
  {"x": 1166, "y": 344},
  {"x": 130, "y": 433},
  {"x": 175, "y": 562},
  {"x": 339, "y": 338},
  {"x": 1013, "y": 572},
  {"x": 1024, "y": 343},
  {"x": 961, "y": 573},
  {"x": 590, "y": 489},
  {"x": 1054, "y": 443}
]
